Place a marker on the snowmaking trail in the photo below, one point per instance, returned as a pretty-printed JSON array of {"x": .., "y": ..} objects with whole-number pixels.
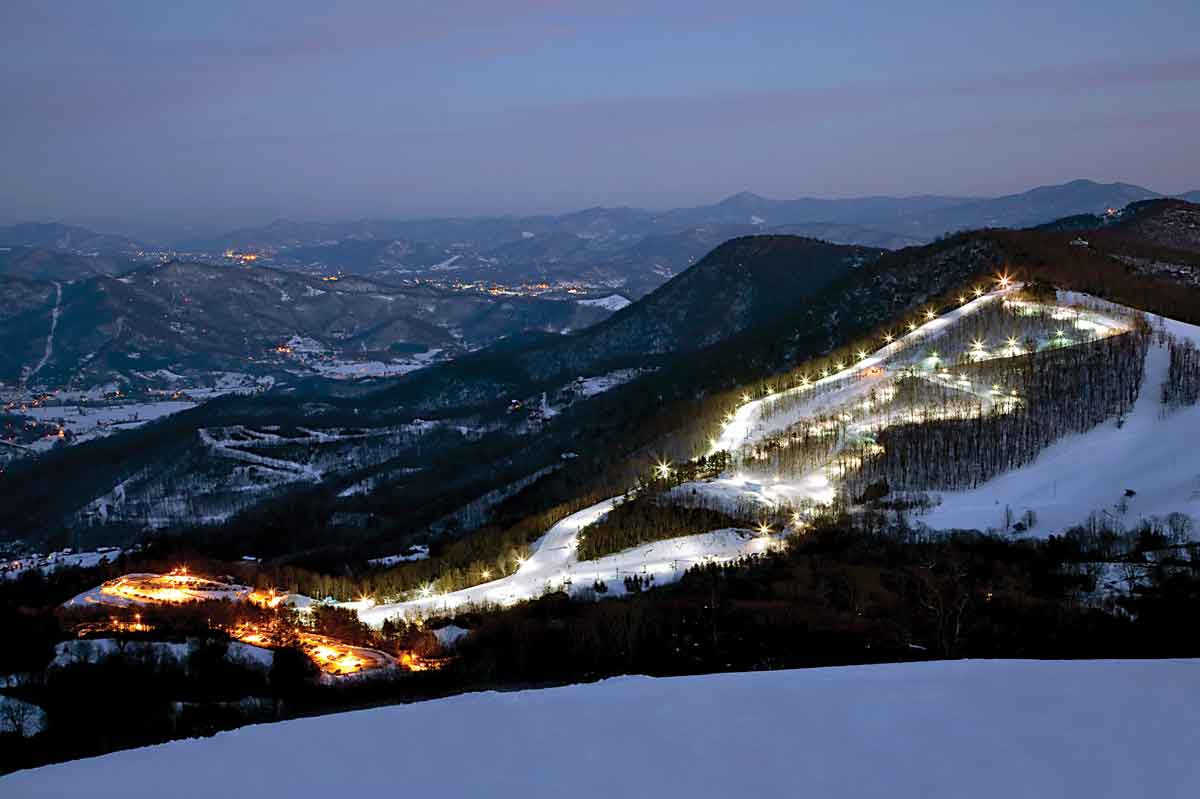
[{"x": 54, "y": 316}]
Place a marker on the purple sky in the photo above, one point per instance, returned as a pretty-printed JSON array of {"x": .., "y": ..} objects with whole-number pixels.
[{"x": 218, "y": 113}]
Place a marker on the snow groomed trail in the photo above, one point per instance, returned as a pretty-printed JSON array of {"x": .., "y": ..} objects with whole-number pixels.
[
  {"x": 745, "y": 427},
  {"x": 553, "y": 566},
  {"x": 54, "y": 316}
]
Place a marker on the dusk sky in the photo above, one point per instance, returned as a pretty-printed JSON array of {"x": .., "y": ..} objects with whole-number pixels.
[{"x": 212, "y": 113}]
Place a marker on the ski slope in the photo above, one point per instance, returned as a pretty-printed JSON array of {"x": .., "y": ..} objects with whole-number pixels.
[
  {"x": 1155, "y": 455},
  {"x": 745, "y": 426},
  {"x": 554, "y": 566},
  {"x": 953, "y": 729},
  {"x": 54, "y": 317}
]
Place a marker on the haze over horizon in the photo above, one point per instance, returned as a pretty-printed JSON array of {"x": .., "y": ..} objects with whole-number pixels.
[{"x": 128, "y": 116}]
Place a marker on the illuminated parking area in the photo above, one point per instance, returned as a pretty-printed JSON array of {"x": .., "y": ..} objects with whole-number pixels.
[
  {"x": 334, "y": 658},
  {"x": 174, "y": 588}
]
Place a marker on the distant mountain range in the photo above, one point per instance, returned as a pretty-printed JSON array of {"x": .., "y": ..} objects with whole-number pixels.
[
  {"x": 195, "y": 319},
  {"x": 456, "y": 431},
  {"x": 66, "y": 238},
  {"x": 629, "y": 249}
]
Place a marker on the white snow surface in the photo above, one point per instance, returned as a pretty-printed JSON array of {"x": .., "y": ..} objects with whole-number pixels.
[
  {"x": 978, "y": 729},
  {"x": 613, "y": 302},
  {"x": 553, "y": 566},
  {"x": 1154, "y": 455},
  {"x": 58, "y": 560},
  {"x": 415, "y": 552},
  {"x": 591, "y": 386}
]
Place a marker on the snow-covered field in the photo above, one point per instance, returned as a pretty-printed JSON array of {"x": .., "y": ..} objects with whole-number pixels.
[
  {"x": 613, "y": 302},
  {"x": 345, "y": 369},
  {"x": 58, "y": 560},
  {"x": 978, "y": 729},
  {"x": 92, "y": 422}
]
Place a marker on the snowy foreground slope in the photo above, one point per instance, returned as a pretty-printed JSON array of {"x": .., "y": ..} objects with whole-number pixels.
[{"x": 979, "y": 729}]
